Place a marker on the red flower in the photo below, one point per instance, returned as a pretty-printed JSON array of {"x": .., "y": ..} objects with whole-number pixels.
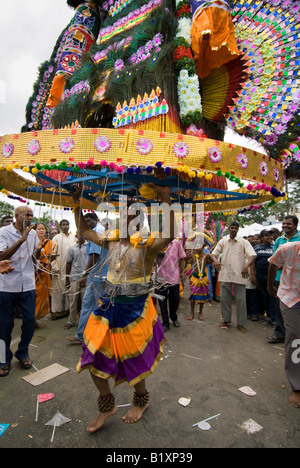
[
  {"x": 183, "y": 9},
  {"x": 182, "y": 52}
]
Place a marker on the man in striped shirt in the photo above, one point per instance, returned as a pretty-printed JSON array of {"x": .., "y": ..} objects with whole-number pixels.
[{"x": 287, "y": 257}]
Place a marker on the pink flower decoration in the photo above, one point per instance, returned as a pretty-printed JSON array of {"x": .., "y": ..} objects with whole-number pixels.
[
  {"x": 119, "y": 169},
  {"x": 276, "y": 174},
  {"x": 102, "y": 144},
  {"x": 181, "y": 149},
  {"x": 242, "y": 160},
  {"x": 215, "y": 154},
  {"x": 81, "y": 165},
  {"x": 67, "y": 145},
  {"x": 103, "y": 163},
  {"x": 90, "y": 163},
  {"x": 264, "y": 170},
  {"x": 7, "y": 150},
  {"x": 112, "y": 166},
  {"x": 144, "y": 146},
  {"x": 33, "y": 147}
]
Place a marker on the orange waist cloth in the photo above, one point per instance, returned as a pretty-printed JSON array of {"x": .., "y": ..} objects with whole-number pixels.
[{"x": 213, "y": 40}]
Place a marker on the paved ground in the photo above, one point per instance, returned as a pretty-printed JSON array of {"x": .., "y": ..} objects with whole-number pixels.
[{"x": 201, "y": 362}]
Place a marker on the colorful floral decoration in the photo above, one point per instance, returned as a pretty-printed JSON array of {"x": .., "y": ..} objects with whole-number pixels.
[
  {"x": 276, "y": 174},
  {"x": 102, "y": 144},
  {"x": 33, "y": 147},
  {"x": 266, "y": 107},
  {"x": 7, "y": 150},
  {"x": 67, "y": 145},
  {"x": 264, "y": 170},
  {"x": 215, "y": 154},
  {"x": 119, "y": 65},
  {"x": 242, "y": 160},
  {"x": 189, "y": 98},
  {"x": 127, "y": 22},
  {"x": 144, "y": 146},
  {"x": 81, "y": 87},
  {"x": 181, "y": 149}
]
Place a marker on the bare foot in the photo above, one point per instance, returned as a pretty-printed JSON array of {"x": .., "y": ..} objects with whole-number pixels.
[
  {"x": 190, "y": 317},
  {"x": 134, "y": 414},
  {"x": 98, "y": 422},
  {"x": 295, "y": 399},
  {"x": 200, "y": 317}
]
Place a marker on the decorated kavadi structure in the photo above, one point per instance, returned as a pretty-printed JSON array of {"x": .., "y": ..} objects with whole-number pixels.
[{"x": 140, "y": 91}]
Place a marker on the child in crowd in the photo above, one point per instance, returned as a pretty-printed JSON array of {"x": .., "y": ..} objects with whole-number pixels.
[{"x": 197, "y": 271}]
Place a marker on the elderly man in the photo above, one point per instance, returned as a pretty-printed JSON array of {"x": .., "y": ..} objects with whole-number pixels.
[
  {"x": 233, "y": 270},
  {"x": 59, "y": 297},
  {"x": 287, "y": 257},
  {"x": 18, "y": 243}
]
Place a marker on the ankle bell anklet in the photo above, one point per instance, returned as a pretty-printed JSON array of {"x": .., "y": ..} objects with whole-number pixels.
[
  {"x": 141, "y": 400},
  {"x": 106, "y": 403}
]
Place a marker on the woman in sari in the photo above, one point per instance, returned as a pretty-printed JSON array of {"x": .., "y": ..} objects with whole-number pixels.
[{"x": 43, "y": 276}]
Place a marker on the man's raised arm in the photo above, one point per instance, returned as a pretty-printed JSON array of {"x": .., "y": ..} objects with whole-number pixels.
[{"x": 82, "y": 228}]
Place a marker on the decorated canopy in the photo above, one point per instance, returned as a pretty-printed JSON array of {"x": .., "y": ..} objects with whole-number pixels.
[{"x": 123, "y": 101}]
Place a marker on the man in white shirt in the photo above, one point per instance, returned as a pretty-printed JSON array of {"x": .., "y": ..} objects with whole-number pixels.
[
  {"x": 233, "y": 274},
  {"x": 18, "y": 243},
  {"x": 59, "y": 296}
]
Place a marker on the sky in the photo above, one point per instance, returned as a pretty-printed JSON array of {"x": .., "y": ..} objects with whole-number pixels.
[{"x": 29, "y": 30}]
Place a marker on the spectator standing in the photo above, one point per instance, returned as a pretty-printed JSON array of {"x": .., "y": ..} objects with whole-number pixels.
[
  {"x": 43, "y": 275},
  {"x": 287, "y": 257},
  {"x": 18, "y": 243},
  {"x": 7, "y": 220},
  {"x": 96, "y": 270},
  {"x": 170, "y": 271},
  {"x": 259, "y": 273},
  {"x": 233, "y": 274},
  {"x": 290, "y": 234},
  {"x": 76, "y": 264},
  {"x": 63, "y": 241}
]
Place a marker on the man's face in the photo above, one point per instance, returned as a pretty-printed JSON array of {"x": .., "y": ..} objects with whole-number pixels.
[
  {"x": 91, "y": 222},
  {"x": 268, "y": 238},
  {"x": 289, "y": 227},
  {"x": 64, "y": 227},
  {"x": 25, "y": 218},
  {"x": 233, "y": 230},
  {"x": 7, "y": 222}
]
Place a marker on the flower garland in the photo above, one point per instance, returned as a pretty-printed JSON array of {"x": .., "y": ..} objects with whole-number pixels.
[{"x": 189, "y": 98}]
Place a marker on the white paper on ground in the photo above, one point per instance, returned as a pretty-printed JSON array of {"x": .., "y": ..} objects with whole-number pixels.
[
  {"x": 251, "y": 426},
  {"x": 248, "y": 391},
  {"x": 43, "y": 375},
  {"x": 184, "y": 401}
]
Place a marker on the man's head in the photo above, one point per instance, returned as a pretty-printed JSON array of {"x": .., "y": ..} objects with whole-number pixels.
[
  {"x": 23, "y": 216},
  {"x": 266, "y": 236},
  {"x": 91, "y": 220},
  {"x": 256, "y": 239},
  {"x": 64, "y": 226},
  {"x": 275, "y": 233},
  {"x": 289, "y": 225},
  {"x": 234, "y": 229},
  {"x": 7, "y": 220}
]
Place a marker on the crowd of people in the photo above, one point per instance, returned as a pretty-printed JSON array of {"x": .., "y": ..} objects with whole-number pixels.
[{"x": 101, "y": 284}]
